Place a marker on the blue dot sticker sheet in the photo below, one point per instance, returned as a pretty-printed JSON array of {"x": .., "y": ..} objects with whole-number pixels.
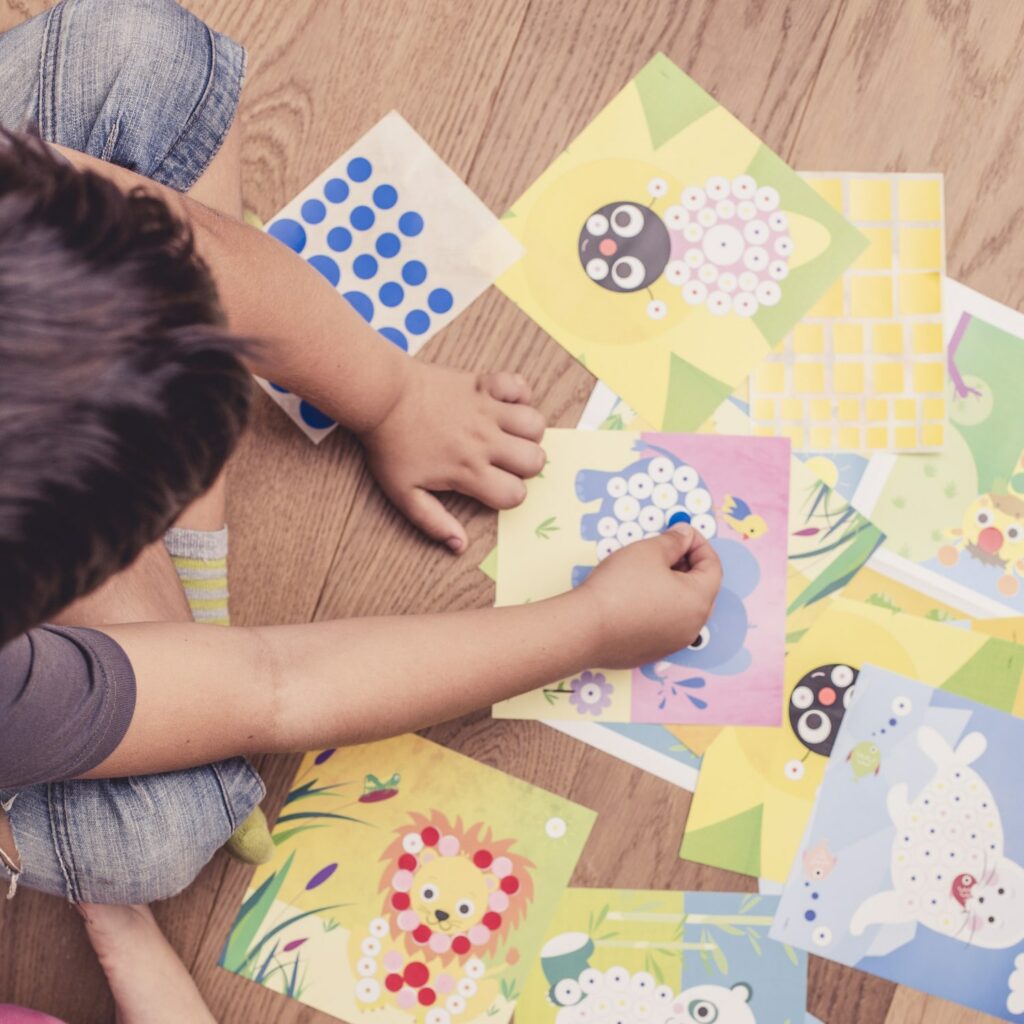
[
  {"x": 399, "y": 236},
  {"x": 912, "y": 866}
]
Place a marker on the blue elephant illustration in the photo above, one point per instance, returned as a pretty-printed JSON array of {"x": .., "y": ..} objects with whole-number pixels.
[{"x": 647, "y": 497}]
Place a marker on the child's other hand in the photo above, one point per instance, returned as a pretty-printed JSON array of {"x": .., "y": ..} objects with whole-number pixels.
[
  {"x": 455, "y": 431},
  {"x": 652, "y": 597}
]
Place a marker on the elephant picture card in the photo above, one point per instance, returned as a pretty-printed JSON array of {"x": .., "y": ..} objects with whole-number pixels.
[
  {"x": 757, "y": 787},
  {"x": 644, "y": 957},
  {"x": 669, "y": 250},
  {"x": 912, "y": 865},
  {"x": 409, "y": 885},
  {"x": 601, "y": 490}
]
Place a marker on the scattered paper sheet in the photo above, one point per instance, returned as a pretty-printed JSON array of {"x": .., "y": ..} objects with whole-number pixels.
[
  {"x": 865, "y": 369},
  {"x": 668, "y": 249},
  {"x": 757, "y": 786},
  {"x": 411, "y": 885},
  {"x": 400, "y": 237},
  {"x": 639, "y": 957},
  {"x": 601, "y": 490},
  {"x": 912, "y": 866}
]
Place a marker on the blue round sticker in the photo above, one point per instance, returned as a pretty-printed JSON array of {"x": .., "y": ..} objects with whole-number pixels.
[
  {"x": 362, "y": 218},
  {"x": 417, "y": 322},
  {"x": 391, "y": 294},
  {"x": 339, "y": 239},
  {"x": 327, "y": 267},
  {"x": 313, "y": 417},
  {"x": 385, "y": 196},
  {"x": 313, "y": 211},
  {"x": 359, "y": 169},
  {"x": 336, "y": 190},
  {"x": 396, "y": 337},
  {"x": 410, "y": 224},
  {"x": 361, "y": 303},
  {"x": 440, "y": 300},
  {"x": 289, "y": 231},
  {"x": 365, "y": 266},
  {"x": 388, "y": 245},
  {"x": 414, "y": 272}
]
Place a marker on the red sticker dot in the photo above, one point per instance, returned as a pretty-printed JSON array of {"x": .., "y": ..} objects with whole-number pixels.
[
  {"x": 460, "y": 945},
  {"x": 510, "y": 884},
  {"x": 427, "y": 996},
  {"x": 422, "y": 934},
  {"x": 491, "y": 920},
  {"x": 416, "y": 974},
  {"x": 430, "y": 836},
  {"x": 393, "y": 982},
  {"x": 483, "y": 858},
  {"x": 407, "y": 862},
  {"x": 400, "y": 900}
]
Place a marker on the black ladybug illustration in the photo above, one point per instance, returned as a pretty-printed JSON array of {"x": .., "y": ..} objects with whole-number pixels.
[
  {"x": 624, "y": 247},
  {"x": 818, "y": 703}
]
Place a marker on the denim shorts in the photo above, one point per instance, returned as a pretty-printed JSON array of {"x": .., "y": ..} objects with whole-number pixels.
[{"x": 145, "y": 85}]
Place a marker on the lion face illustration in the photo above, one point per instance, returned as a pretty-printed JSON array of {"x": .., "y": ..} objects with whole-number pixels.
[{"x": 450, "y": 893}]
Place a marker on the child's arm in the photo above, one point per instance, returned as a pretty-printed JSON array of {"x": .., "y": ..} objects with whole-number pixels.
[
  {"x": 206, "y": 694},
  {"x": 425, "y": 428}
]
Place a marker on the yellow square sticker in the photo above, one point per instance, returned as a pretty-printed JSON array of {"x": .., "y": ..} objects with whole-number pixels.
[
  {"x": 921, "y": 248},
  {"x": 887, "y": 339},
  {"x": 830, "y": 189},
  {"x": 905, "y": 409},
  {"x": 878, "y": 437},
  {"x": 929, "y": 377},
  {"x": 849, "y": 378},
  {"x": 809, "y": 378},
  {"x": 771, "y": 378},
  {"x": 871, "y": 296},
  {"x": 849, "y": 410},
  {"x": 849, "y": 437},
  {"x": 906, "y": 437},
  {"x": 878, "y": 254},
  {"x": 932, "y": 434},
  {"x": 876, "y": 409},
  {"x": 848, "y": 339},
  {"x": 887, "y": 378},
  {"x": 870, "y": 198},
  {"x": 927, "y": 339},
  {"x": 808, "y": 339},
  {"x": 933, "y": 408},
  {"x": 764, "y": 409},
  {"x": 795, "y": 435},
  {"x": 820, "y": 409},
  {"x": 791, "y": 409},
  {"x": 821, "y": 438},
  {"x": 920, "y": 199},
  {"x": 831, "y": 303},
  {"x": 920, "y": 293}
]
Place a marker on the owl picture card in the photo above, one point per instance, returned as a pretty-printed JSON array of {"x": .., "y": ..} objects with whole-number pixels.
[
  {"x": 669, "y": 250},
  {"x": 410, "y": 885},
  {"x": 602, "y": 490},
  {"x": 645, "y": 957},
  {"x": 399, "y": 236},
  {"x": 912, "y": 865}
]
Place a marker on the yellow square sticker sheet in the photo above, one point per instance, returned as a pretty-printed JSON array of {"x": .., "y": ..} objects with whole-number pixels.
[
  {"x": 864, "y": 370},
  {"x": 410, "y": 885},
  {"x": 668, "y": 249},
  {"x": 757, "y": 787}
]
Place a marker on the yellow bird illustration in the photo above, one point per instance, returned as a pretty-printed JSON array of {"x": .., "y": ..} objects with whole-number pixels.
[{"x": 736, "y": 512}]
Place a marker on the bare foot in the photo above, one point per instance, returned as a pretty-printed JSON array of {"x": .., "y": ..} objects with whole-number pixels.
[{"x": 149, "y": 982}]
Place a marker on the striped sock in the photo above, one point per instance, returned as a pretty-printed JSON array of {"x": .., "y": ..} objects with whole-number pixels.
[{"x": 201, "y": 560}]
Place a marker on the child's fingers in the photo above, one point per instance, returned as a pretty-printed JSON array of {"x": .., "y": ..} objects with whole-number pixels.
[
  {"x": 506, "y": 387},
  {"x": 521, "y": 420},
  {"x": 705, "y": 566},
  {"x": 675, "y": 543},
  {"x": 516, "y": 455},
  {"x": 495, "y": 487},
  {"x": 425, "y": 511}
]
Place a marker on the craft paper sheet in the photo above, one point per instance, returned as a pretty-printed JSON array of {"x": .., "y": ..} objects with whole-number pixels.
[
  {"x": 602, "y": 489},
  {"x": 956, "y": 518},
  {"x": 399, "y": 236},
  {"x": 668, "y": 249},
  {"x": 410, "y": 885},
  {"x": 911, "y": 866},
  {"x": 865, "y": 369},
  {"x": 640, "y": 957},
  {"x": 757, "y": 786}
]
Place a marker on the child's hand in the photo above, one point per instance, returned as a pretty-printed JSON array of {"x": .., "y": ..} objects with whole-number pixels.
[
  {"x": 652, "y": 597},
  {"x": 454, "y": 431}
]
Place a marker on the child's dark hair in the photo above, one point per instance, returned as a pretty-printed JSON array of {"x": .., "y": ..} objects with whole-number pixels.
[{"x": 121, "y": 391}]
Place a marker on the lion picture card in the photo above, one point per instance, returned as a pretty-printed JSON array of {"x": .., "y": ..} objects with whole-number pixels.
[
  {"x": 643, "y": 957},
  {"x": 410, "y": 885},
  {"x": 756, "y": 787},
  {"x": 669, "y": 250},
  {"x": 601, "y": 490},
  {"x": 912, "y": 864}
]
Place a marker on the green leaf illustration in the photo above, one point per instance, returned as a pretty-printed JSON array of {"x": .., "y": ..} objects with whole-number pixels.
[{"x": 547, "y": 527}]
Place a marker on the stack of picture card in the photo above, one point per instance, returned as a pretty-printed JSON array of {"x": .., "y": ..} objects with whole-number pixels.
[
  {"x": 399, "y": 236},
  {"x": 669, "y": 250},
  {"x": 601, "y": 490},
  {"x": 757, "y": 786},
  {"x": 639, "y": 957},
  {"x": 912, "y": 864},
  {"x": 410, "y": 884}
]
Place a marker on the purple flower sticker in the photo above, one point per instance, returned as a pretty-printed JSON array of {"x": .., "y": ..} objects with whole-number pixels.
[
  {"x": 591, "y": 693},
  {"x": 321, "y": 876}
]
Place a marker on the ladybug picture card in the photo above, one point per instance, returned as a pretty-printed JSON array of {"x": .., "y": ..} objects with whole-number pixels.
[
  {"x": 756, "y": 787},
  {"x": 410, "y": 885},
  {"x": 669, "y": 250}
]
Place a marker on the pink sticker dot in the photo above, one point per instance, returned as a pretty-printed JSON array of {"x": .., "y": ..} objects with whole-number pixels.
[
  {"x": 479, "y": 934},
  {"x": 392, "y": 960},
  {"x": 502, "y": 866},
  {"x": 439, "y": 942},
  {"x": 406, "y": 999},
  {"x": 448, "y": 846},
  {"x": 498, "y": 901},
  {"x": 408, "y": 920},
  {"x": 444, "y": 983},
  {"x": 402, "y": 881}
]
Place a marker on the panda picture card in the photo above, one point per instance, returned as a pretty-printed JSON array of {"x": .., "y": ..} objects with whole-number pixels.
[
  {"x": 601, "y": 490},
  {"x": 669, "y": 250},
  {"x": 400, "y": 237},
  {"x": 644, "y": 957},
  {"x": 920, "y": 811},
  {"x": 757, "y": 787}
]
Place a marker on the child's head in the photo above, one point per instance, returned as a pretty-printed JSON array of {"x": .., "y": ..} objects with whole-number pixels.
[{"x": 121, "y": 392}]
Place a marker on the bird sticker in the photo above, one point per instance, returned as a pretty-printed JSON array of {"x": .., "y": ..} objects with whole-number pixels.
[
  {"x": 737, "y": 513},
  {"x": 819, "y": 861},
  {"x": 374, "y": 790},
  {"x": 865, "y": 759}
]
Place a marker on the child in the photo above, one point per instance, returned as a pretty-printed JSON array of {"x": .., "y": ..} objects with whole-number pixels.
[{"x": 130, "y": 315}]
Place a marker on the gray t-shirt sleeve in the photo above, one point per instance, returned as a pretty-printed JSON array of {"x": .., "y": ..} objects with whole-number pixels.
[{"x": 67, "y": 696}]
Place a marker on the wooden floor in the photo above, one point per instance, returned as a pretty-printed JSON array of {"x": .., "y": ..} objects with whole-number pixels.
[{"x": 498, "y": 87}]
